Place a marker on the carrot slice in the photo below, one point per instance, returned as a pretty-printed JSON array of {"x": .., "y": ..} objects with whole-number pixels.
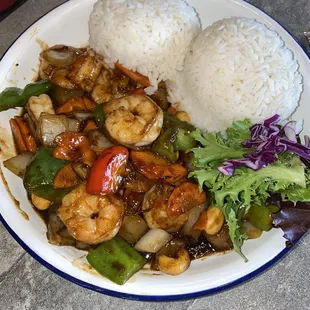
[
  {"x": 76, "y": 104},
  {"x": 26, "y": 134},
  {"x": 90, "y": 125},
  {"x": 90, "y": 105},
  {"x": 19, "y": 141},
  {"x": 137, "y": 77},
  {"x": 24, "y": 139},
  {"x": 172, "y": 111}
]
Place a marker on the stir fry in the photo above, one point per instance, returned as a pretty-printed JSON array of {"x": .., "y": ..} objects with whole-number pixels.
[{"x": 108, "y": 168}]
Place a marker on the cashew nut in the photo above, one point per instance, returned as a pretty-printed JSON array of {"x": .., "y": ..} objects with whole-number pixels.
[
  {"x": 174, "y": 266},
  {"x": 211, "y": 221},
  {"x": 72, "y": 146},
  {"x": 40, "y": 203},
  {"x": 252, "y": 232},
  {"x": 183, "y": 116}
]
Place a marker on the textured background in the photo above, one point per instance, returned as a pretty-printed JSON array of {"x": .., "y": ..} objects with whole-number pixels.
[{"x": 25, "y": 284}]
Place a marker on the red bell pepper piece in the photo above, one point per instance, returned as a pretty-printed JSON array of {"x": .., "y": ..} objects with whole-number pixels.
[{"x": 106, "y": 173}]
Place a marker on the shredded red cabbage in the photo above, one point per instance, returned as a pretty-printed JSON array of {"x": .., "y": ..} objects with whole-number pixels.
[{"x": 269, "y": 140}]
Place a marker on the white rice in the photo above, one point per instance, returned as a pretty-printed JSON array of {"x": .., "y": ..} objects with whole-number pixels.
[
  {"x": 237, "y": 68},
  {"x": 148, "y": 36}
]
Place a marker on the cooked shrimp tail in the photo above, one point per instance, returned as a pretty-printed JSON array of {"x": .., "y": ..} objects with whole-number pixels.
[
  {"x": 91, "y": 218},
  {"x": 134, "y": 120}
]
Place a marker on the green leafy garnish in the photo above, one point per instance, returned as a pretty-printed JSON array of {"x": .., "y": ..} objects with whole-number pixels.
[
  {"x": 13, "y": 97},
  {"x": 235, "y": 194}
]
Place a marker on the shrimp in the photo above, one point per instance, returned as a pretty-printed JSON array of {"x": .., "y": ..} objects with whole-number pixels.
[
  {"x": 59, "y": 77},
  {"x": 184, "y": 198},
  {"x": 134, "y": 120},
  {"x": 91, "y": 218},
  {"x": 110, "y": 85},
  {"x": 86, "y": 69},
  {"x": 155, "y": 207},
  {"x": 101, "y": 92}
]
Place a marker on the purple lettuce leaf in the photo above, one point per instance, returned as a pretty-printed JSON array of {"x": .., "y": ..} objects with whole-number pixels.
[{"x": 294, "y": 220}]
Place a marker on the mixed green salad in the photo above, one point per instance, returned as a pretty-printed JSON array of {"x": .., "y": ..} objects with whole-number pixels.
[{"x": 244, "y": 168}]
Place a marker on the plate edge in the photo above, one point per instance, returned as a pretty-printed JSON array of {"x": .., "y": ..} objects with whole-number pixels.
[{"x": 152, "y": 298}]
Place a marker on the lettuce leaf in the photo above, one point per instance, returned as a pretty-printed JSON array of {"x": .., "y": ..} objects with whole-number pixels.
[
  {"x": 294, "y": 220},
  {"x": 298, "y": 194},
  {"x": 235, "y": 194},
  {"x": 218, "y": 148}
]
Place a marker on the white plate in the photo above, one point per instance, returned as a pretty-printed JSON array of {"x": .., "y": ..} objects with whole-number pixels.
[{"x": 67, "y": 24}]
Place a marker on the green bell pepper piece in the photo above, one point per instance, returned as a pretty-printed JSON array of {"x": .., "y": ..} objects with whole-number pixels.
[
  {"x": 161, "y": 98},
  {"x": 99, "y": 114},
  {"x": 260, "y": 217},
  {"x": 184, "y": 141},
  {"x": 164, "y": 145},
  {"x": 61, "y": 95},
  {"x": 39, "y": 175},
  {"x": 273, "y": 208},
  {"x": 13, "y": 97},
  {"x": 171, "y": 121},
  {"x": 116, "y": 260}
]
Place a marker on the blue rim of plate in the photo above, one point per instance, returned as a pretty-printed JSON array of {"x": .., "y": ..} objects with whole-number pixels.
[{"x": 153, "y": 298}]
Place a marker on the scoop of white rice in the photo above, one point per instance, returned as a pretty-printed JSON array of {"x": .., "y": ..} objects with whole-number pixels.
[
  {"x": 148, "y": 36},
  {"x": 237, "y": 68}
]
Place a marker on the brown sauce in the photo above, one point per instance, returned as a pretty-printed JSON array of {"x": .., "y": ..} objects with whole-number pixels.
[
  {"x": 15, "y": 201},
  {"x": 197, "y": 248},
  {"x": 43, "y": 45}
]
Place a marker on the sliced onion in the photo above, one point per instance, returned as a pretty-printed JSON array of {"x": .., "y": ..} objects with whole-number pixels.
[
  {"x": 82, "y": 116},
  {"x": 81, "y": 170},
  {"x": 45, "y": 70},
  {"x": 50, "y": 126},
  {"x": 153, "y": 241},
  {"x": 133, "y": 227},
  {"x": 18, "y": 164},
  {"x": 73, "y": 125},
  {"x": 171, "y": 248},
  {"x": 60, "y": 55},
  {"x": 99, "y": 141},
  {"x": 31, "y": 123},
  {"x": 192, "y": 219},
  {"x": 221, "y": 241},
  {"x": 57, "y": 233},
  {"x": 136, "y": 182}
]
